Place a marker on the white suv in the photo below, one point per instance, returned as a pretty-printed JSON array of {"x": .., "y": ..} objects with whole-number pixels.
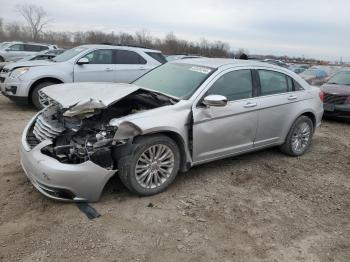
[
  {"x": 21, "y": 82},
  {"x": 15, "y": 50}
]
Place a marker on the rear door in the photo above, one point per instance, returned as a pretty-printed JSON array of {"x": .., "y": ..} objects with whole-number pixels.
[
  {"x": 130, "y": 66},
  {"x": 278, "y": 106},
  {"x": 15, "y": 51},
  {"x": 223, "y": 131},
  {"x": 101, "y": 67},
  {"x": 31, "y": 49}
]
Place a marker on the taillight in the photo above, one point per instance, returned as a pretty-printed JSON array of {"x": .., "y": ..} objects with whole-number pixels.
[{"x": 321, "y": 94}]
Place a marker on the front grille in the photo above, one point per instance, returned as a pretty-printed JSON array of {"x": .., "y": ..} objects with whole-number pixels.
[
  {"x": 334, "y": 99},
  {"x": 32, "y": 140},
  {"x": 46, "y": 128}
]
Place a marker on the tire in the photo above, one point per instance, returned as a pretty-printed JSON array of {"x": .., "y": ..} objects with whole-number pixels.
[
  {"x": 35, "y": 94},
  {"x": 296, "y": 143},
  {"x": 132, "y": 178}
]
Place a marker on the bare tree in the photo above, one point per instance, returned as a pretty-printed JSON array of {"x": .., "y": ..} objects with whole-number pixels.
[{"x": 35, "y": 16}]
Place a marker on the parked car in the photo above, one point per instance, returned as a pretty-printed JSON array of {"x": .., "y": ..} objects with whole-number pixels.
[
  {"x": 43, "y": 55},
  {"x": 337, "y": 95},
  {"x": 315, "y": 76},
  {"x": 19, "y": 50},
  {"x": 181, "y": 114},
  {"x": 87, "y": 63},
  {"x": 3, "y": 45}
]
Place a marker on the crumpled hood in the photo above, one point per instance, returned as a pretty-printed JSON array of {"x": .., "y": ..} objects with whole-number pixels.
[
  {"x": 336, "y": 89},
  {"x": 81, "y": 98},
  {"x": 12, "y": 65}
]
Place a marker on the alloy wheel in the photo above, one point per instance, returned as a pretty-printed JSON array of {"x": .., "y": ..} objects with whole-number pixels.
[
  {"x": 154, "y": 166},
  {"x": 301, "y": 137}
]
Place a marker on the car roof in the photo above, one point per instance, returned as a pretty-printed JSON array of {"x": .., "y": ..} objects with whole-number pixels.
[
  {"x": 221, "y": 62},
  {"x": 121, "y": 47}
]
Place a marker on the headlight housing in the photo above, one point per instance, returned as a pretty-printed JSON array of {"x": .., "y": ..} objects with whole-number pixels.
[{"x": 18, "y": 72}]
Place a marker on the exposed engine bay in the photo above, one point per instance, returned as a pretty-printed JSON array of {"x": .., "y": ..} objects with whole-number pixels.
[{"x": 90, "y": 135}]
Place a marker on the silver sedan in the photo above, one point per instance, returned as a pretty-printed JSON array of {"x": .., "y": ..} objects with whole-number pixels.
[{"x": 181, "y": 114}]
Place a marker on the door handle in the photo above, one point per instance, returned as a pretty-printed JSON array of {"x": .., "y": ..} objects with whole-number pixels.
[
  {"x": 109, "y": 69},
  {"x": 142, "y": 68},
  {"x": 250, "y": 104},
  {"x": 292, "y": 98}
]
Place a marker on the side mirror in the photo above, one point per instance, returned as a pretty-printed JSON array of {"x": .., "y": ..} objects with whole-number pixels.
[
  {"x": 83, "y": 61},
  {"x": 215, "y": 100}
]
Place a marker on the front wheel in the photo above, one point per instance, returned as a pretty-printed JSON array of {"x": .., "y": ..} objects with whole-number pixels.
[
  {"x": 299, "y": 137},
  {"x": 151, "y": 166}
]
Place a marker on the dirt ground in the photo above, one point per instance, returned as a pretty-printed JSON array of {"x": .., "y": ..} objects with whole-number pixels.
[{"x": 263, "y": 206}]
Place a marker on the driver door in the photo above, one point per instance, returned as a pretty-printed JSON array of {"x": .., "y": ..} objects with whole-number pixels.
[
  {"x": 101, "y": 67},
  {"x": 228, "y": 130}
]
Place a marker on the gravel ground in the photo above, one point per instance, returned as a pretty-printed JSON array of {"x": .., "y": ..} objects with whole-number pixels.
[{"x": 263, "y": 206}]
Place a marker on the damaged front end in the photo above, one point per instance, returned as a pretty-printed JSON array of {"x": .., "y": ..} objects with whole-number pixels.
[{"x": 90, "y": 130}]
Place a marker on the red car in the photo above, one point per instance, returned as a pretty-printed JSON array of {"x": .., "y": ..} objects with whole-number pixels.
[{"x": 337, "y": 95}]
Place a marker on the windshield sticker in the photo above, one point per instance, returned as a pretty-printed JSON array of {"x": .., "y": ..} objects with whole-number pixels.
[{"x": 199, "y": 69}]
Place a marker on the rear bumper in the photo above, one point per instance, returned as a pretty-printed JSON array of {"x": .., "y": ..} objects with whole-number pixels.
[
  {"x": 340, "y": 111},
  {"x": 65, "y": 182}
]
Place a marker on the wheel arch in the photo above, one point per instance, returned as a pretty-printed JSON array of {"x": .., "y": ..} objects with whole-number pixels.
[
  {"x": 310, "y": 115},
  {"x": 42, "y": 80},
  {"x": 307, "y": 113}
]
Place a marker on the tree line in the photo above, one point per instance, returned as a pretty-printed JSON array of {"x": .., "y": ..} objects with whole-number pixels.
[{"x": 170, "y": 44}]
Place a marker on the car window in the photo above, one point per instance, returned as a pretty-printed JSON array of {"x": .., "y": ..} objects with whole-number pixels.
[
  {"x": 234, "y": 85},
  {"x": 16, "y": 47},
  {"x": 101, "y": 56},
  {"x": 32, "y": 48},
  {"x": 289, "y": 83},
  {"x": 129, "y": 57},
  {"x": 297, "y": 86},
  {"x": 340, "y": 78},
  {"x": 42, "y": 48},
  {"x": 157, "y": 56},
  {"x": 69, "y": 54},
  {"x": 165, "y": 79},
  {"x": 272, "y": 82}
]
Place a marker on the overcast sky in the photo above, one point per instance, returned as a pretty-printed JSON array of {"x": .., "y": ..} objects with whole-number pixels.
[{"x": 314, "y": 28}]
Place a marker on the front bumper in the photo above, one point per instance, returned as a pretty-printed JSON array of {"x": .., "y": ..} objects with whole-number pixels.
[
  {"x": 66, "y": 182},
  {"x": 338, "y": 111},
  {"x": 14, "y": 87}
]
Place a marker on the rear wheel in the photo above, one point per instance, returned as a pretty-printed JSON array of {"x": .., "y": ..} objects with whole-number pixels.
[
  {"x": 40, "y": 100},
  {"x": 299, "y": 137},
  {"x": 151, "y": 166}
]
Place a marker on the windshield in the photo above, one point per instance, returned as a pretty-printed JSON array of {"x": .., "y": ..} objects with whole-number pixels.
[
  {"x": 178, "y": 80},
  {"x": 341, "y": 78},
  {"x": 65, "y": 56}
]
